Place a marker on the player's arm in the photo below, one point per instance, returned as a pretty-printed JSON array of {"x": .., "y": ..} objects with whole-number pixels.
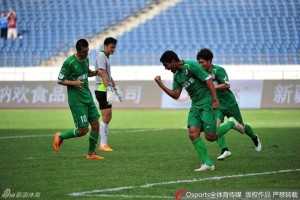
[
  {"x": 222, "y": 86},
  {"x": 113, "y": 82},
  {"x": 212, "y": 90},
  {"x": 222, "y": 79},
  {"x": 104, "y": 77},
  {"x": 77, "y": 83},
  {"x": 64, "y": 74},
  {"x": 175, "y": 94},
  {"x": 93, "y": 73}
]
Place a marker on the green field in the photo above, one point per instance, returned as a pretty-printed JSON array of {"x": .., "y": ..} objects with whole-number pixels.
[{"x": 153, "y": 157}]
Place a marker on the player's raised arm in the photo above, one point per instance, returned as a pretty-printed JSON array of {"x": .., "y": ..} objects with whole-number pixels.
[{"x": 175, "y": 94}]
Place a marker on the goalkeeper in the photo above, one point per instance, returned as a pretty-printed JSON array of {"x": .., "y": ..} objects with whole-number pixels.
[{"x": 106, "y": 90}]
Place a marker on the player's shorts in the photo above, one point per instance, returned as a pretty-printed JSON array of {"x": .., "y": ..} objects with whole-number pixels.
[
  {"x": 101, "y": 98},
  {"x": 84, "y": 115},
  {"x": 204, "y": 118},
  {"x": 233, "y": 111}
]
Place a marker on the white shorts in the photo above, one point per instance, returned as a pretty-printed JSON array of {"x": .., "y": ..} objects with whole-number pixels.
[{"x": 12, "y": 33}]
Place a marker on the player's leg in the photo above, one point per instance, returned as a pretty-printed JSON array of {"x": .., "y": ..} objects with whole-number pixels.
[
  {"x": 249, "y": 131},
  {"x": 221, "y": 141},
  {"x": 194, "y": 124},
  {"x": 80, "y": 118},
  {"x": 235, "y": 112},
  {"x": 93, "y": 117},
  {"x": 106, "y": 113},
  {"x": 210, "y": 125}
]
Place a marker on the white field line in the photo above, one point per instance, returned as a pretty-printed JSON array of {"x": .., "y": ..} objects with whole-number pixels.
[
  {"x": 119, "y": 131},
  {"x": 148, "y": 185}
]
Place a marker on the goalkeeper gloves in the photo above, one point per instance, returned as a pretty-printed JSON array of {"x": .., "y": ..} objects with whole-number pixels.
[{"x": 110, "y": 95}]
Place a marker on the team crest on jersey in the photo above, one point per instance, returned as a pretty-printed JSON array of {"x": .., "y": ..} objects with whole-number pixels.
[
  {"x": 213, "y": 76},
  {"x": 186, "y": 72}
]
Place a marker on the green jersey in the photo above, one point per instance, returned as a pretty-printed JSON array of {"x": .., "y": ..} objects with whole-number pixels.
[
  {"x": 226, "y": 97},
  {"x": 192, "y": 77},
  {"x": 73, "y": 70}
]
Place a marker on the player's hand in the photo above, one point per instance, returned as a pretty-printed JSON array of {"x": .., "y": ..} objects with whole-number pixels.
[
  {"x": 119, "y": 93},
  {"x": 98, "y": 72},
  {"x": 79, "y": 83},
  {"x": 157, "y": 79},
  {"x": 215, "y": 104},
  {"x": 110, "y": 95}
]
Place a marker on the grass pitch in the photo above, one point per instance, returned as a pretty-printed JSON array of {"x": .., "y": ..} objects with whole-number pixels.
[{"x": 153, "y": 157}]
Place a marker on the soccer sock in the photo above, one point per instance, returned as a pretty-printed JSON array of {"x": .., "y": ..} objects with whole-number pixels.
[
  {"x": 103, "y": 133},
  {"x": 69, "y": 134},
  {"x": 202, "y": 151},
  {"x": 93, "y": 138},
  {"x": 221, "y": 142},
  {"x": 223, "y": 129},
  {"x": 249, "y": 131}
]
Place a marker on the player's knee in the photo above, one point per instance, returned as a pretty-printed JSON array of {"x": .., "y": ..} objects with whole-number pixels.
[
  {"x": 95, "y": 126},
  {"x": 83, "y": 131},
  {"x": 193, "y": 136},
  {"x": 211, "y": 137}
]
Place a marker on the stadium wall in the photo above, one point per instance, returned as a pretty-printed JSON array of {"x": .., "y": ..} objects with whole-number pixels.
[
  {"x": 235, "y": 72},
  {"x": 145, "y": 94}
]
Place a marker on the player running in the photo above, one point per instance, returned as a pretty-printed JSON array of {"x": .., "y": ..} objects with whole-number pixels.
[
  {"x": 228, "y": 104},
  {"x": 199, "y": 85}
]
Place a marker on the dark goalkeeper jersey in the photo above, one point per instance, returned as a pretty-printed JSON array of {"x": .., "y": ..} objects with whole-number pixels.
[{"x": 72, "y": 70}]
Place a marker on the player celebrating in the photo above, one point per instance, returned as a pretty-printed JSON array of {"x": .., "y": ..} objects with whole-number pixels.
[
  {"x": 74, "y": 74},
  {"x": 199, "y": 85},
  {"x": 228, "y": 104},
  {"x": 105, "y": 88}
]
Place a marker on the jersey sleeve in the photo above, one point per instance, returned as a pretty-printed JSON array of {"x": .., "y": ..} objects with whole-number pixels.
[
  {"x": 222, "y": 75},
  {"x": 199, "y": 72},
  {"x": 65, "y": 72},
  {"x": 100, "y": 62}
]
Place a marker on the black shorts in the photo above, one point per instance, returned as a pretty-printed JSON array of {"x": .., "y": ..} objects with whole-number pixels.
[{"x": 101, "y": 98}]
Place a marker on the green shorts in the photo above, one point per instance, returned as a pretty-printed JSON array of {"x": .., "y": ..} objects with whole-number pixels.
[
  {"x": 233, "y": 111},
  {"x": 204, "y": 118},
  {"x": 84, "y": 115}
]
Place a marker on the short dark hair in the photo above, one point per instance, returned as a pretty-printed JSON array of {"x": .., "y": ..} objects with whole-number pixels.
[
  {"x": 81, "y": 43},
  {"x": 205, "y": 54},
  {"x": 110, "y": 40},
  {"x": 168, "y": 56}
]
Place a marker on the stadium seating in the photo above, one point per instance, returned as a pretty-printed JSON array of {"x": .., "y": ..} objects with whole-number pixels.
[
  {"x": 237, "y": 31},
  {"x": 49, "y": 27}
]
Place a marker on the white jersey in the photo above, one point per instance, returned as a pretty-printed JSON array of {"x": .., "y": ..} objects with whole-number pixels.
[{"x": 102, "y": 62}]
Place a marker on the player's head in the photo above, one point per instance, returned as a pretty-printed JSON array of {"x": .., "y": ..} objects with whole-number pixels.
[
  {"x": 110, "y": 45},
  {"x": 82, "y": 48},
  {"x": 205, "y": 57},
  {"x": 169, "y": 59}
]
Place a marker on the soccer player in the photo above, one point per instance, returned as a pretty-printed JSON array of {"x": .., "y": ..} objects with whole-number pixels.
[
  {"x": 74, "y": 74},
  {"x": 228, "y": 104},
  {"x": 105, "y": 88},
  {"x": 199, "y": 85}
]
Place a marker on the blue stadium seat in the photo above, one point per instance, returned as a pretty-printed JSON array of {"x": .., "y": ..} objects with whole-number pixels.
[
  {"x": 239, "y": 32},
  {"x": 50, "y": 25}
]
